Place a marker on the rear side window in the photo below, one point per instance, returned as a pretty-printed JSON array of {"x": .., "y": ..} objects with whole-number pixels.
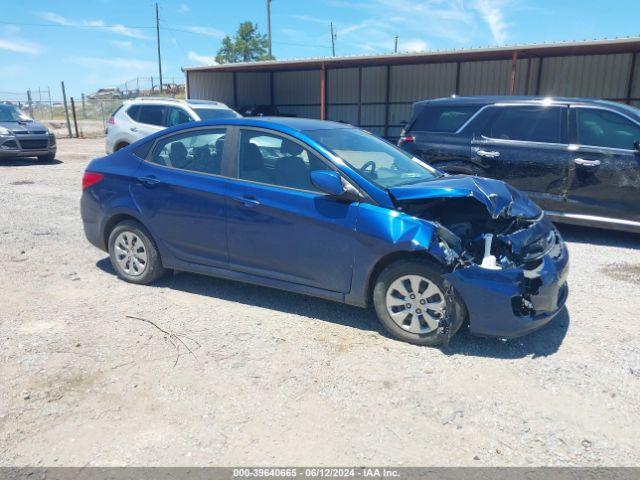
[
  {"x": 600, "y": 128},
  {"x": 196, "y": 151},
  {"x": 152, "y": 114},
  {"x": 133, "y": 112},
  {"x": 532, "y": 124},
  {"x": 443, "y": 119}
]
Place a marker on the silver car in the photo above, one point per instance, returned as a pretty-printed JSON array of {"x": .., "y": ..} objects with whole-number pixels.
[
  {"x": 20, "y": 136},
  {"x": 140, "y": 117}
]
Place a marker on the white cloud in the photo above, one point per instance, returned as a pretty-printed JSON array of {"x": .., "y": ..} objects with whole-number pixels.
[
  {"x": 184, "y": 8},
  {"x": 491, "y": 12},
  {"x": 201, "y": 59},
  {"x": 121, "y": 43},
  {"x": 118, "y": 29},
  {"x": 19, "y": 46},
  {"x": 460, "y": 22},
  {"x": 414, "y": 45},
  {"x": 208, "y": 31}
]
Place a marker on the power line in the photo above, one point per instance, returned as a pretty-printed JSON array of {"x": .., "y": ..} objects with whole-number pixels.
[{"x": 58, "y": 25}]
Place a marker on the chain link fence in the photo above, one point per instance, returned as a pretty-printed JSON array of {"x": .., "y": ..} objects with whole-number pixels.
[{"x": 91, "y": 110}]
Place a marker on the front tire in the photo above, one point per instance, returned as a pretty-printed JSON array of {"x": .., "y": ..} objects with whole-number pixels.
[
  {"x": 133, "y": 253},
  {"x": 409, "y": 299}
]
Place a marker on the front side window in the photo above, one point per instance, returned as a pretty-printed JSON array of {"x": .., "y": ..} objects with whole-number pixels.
[
  {"x": 199, "y": 151},
  {"x": 443, "y": 119},
  {"x": 601, "y": 128},
  {"x": 526, "y": 123},
  {"x": 272, "y": 159},
  {"x": 377, "y": 160},
  {"x": 152, "y": 115},
  {"x": 176, "y": 116}
]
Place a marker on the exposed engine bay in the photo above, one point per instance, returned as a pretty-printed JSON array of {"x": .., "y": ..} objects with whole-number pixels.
[
  {"x": 497, "y": 230},
  {"x": 470, "y": 235}
]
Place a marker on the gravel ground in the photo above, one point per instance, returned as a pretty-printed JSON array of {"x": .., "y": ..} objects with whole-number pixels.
[{"x": 243, "y": 375}]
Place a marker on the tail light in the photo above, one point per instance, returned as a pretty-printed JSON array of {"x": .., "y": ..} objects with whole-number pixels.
[
  {"x": 405, "y": 139},
  {"x": 111, "y": 121},
  {"x": 91, "y": 178}
]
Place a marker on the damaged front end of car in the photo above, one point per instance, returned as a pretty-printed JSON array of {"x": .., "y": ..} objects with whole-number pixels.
[{"x": 505, "y": 258}]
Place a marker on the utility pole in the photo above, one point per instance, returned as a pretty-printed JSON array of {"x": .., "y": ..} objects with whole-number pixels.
[
  {"x": 66, "y": 109},
  {"x": 158, "y": 36},
  {"x": 395, "y": 48},
  {"x": 333, "y": 40},
  {"x": 269, "y": 26}
]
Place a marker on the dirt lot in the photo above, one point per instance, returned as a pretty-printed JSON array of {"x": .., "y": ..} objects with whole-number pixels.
[{"x": 266, "y": 377}]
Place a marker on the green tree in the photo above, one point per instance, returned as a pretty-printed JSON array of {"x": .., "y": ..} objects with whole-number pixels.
[{"x": 247, "y": 45}]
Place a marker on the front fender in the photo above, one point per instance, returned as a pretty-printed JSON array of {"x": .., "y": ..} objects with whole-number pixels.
[{"x": 382, "y": 232}]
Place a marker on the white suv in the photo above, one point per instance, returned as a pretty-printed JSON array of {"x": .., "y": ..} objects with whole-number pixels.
[{"x": 137, "y": 118}]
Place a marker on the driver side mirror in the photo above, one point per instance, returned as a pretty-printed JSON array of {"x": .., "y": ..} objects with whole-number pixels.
[
  {"x": 330, "y": 182},
  {"x": 636, "y": 145}
]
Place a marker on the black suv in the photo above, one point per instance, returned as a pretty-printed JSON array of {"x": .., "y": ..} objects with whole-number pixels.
[{"x": 578, "y": 158}]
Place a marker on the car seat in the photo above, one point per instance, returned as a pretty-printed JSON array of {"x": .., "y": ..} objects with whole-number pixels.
[
  {"x": 178, "y": 155},
  {"x": 252, "y": 164},
  {"x": 291, "y": 170}
]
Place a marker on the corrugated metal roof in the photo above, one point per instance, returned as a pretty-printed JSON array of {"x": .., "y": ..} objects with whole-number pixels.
[{"x": 617, "y": 45}]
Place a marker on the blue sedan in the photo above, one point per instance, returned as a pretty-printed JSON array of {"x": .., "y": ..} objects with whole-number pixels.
[{"x": 328, "y": 210}]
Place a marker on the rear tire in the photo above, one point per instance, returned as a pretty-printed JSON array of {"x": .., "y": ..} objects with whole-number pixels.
[
  {"x": 409, "y": 300},
  {"x": 133, "y": 253},
  {"x": 47, "y": 158}
]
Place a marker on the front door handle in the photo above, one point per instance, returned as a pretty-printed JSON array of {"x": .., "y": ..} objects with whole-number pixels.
[
  {"x": 148, "y": 181},
  {"x": 488, "y": 153},
  {"x": 586, "y": 163},
  {"x": 247, "y": 201},
  {"x": 133, "y": 129}
]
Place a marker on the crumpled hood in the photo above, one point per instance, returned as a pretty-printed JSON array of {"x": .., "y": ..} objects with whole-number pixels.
[
  {"x": 500, "y": 199},
  {"x": 29, "y": 127}
]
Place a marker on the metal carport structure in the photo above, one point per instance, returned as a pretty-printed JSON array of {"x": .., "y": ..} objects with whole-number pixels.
[{"x": 376, "y": 92}]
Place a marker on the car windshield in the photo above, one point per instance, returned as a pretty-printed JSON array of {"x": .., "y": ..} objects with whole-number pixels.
[
  {"x": 377, "y": 160},
  {"x": 215, "y": 113},
  {"x": 10, "y": 113}
]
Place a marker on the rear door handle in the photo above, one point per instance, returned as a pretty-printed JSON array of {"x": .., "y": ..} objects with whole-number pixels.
[
  {"x": 586, "y": 163},
  {"x": 148, "y": 181},
  {"x": 488, "y": 153},
  {"x": 247, "y": 201},
  {"x": 133, "y": 129}
]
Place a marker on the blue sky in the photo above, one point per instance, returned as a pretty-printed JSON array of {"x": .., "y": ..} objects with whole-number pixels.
[{"x": 101, "y": 43}]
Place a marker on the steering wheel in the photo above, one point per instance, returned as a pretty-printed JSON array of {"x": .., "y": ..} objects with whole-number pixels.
[{"x": 371, "y": 165}]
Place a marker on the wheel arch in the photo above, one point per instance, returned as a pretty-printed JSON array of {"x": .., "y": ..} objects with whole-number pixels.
[
  {"x": 391, "y": 258},
  {"x": 114, "y": 220},
  {"x": 120, "y": 145}
]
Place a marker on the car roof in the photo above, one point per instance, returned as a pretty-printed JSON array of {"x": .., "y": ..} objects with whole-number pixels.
[
  {"x": 278, "y": 123},
  {"x": 179, "y": 101},
  {"x": 490, "y": 99}
]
